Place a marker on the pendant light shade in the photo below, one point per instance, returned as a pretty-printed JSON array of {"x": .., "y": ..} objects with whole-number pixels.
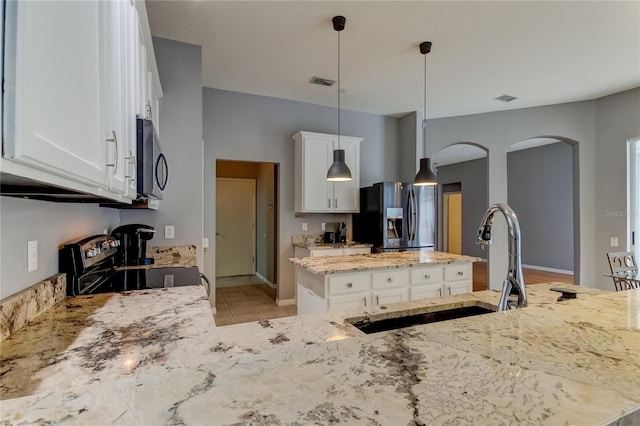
[
  {"x": 339, "y": 171},
  {"x": 425, "y": 176}
]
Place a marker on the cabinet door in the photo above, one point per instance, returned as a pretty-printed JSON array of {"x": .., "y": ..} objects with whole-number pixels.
[
  {"x": 52, "y": 89},
  {"x": 458, "y": 287},
  {"x": 389, "y": 278},
  {"x": 352, "y": 301},
  {"x": 317, "y": 191},
  {"x": 346, "y": 195},
  {"x": 426, "y": 291},
  {"x": 115, "y": 131},
  {"x": 358, "y": 250},
  {"x": 309, "y": 303},
  {"x": 384, "y": 297},
  {"x": 327, "y": 252},
  {"x": 458, "y": 272}
]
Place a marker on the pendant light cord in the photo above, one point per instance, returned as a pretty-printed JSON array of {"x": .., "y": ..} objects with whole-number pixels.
[
  {"x": 338, "y": 89},
  {"x": 424, "y": 119}
]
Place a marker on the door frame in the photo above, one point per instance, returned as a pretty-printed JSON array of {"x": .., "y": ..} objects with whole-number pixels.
[
  {"x": 253, "y": 218},
  {"x": 445, "y": 218}
]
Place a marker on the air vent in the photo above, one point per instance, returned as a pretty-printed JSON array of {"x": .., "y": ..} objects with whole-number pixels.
[
  {"x": 322, "y": 81},
  {"x": 505, "y": 98}
]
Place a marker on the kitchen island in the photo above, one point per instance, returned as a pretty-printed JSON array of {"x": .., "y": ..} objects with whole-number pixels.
[
  {"x": 336, "y": 283},
  {"x": 156, "y": 357}
]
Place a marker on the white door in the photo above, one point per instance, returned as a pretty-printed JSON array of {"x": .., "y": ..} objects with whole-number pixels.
[{"x": 235, "y": 227}]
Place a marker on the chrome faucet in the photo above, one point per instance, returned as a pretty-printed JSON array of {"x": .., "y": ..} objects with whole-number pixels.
[{"x": 514, "y": 283}]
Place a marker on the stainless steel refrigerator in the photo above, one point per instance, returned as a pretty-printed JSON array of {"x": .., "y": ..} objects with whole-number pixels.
[{"x": 396, "y": 216}]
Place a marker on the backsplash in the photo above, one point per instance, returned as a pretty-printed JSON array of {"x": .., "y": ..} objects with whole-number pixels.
[
  {"x": 184, "y": 255},
  {"x": 20, "y": 308}
]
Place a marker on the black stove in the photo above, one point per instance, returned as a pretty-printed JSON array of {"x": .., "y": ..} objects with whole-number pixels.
[{"x": 91, "y": 267}]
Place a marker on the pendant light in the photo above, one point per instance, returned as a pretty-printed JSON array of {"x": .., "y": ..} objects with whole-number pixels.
[
  {"x": 339, "y": 171},
  {"x": 425, "y": 176}
]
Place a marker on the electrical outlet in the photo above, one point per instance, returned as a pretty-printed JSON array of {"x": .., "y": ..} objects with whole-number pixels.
[
  {"x": 168, "y": 280},
  {"x": 324, "y": 226},
  {"x": 613, "y": 241},
  {"x": 305, "y": 227},
  {"x": 169, "y": 232},
  {"x": 32, "y": 255}
]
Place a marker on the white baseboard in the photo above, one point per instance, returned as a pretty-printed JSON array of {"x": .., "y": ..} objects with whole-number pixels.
[
  {"x": 214, "y": 310},
  {"x": 544, "y": 268},
  {"x": 285, "y": 302},
  {"x": 266, "y": 281}
]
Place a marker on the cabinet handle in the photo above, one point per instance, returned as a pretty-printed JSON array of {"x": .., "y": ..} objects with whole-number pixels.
[
  {"x": 335, "y": 204},
  {"x": 460, "y": 273},
  {"x": 390, "y": 279},
  {"x": 440, "y": 291},
  {"x": 131, "y": 159},
  {"x": 114, "y": 139},
  {"x": 427, "y": 276},
  {"x": 149, "y": 110},
  {"x": 329, "y": 202},
  {"x": 449, "y": 290},
  {"x": 377, "y": 299},
  {"x": 365, "y": 300},
  {"x": 349, "y": 285}
]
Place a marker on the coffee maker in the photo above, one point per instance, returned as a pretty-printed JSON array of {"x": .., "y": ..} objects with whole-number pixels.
[
  {"x": 133, "y": 243},
  {"x": 341, "y": 232}
]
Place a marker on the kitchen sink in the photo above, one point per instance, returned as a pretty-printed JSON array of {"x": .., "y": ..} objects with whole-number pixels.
[{"x": 372, "y": 325}]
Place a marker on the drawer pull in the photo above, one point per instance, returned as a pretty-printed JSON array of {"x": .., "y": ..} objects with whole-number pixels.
[
  {"x": 449, "y": 290},
  {"x": 427, "y": 276},
  {"x": 440, "y": 291},
  {"x": 390, "y": 279},
  {"x": 349, "y": 285},
  {"x": 460, "y": 273},
  {"x": 377, "y": 299},
  {"x": 365, "y": 300}
]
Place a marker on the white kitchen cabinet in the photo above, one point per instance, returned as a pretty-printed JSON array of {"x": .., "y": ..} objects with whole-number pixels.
[
  {"x": 313, "y": 157},
  {"x": 53, "y": 101},
  {"x": 70, "y": 85},
  {"x": 347, "y": 251},
  {"x": 352, "y": 290}
]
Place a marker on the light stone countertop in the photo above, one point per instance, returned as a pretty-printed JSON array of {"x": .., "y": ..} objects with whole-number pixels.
[
  {"x": 155, "y": 357},
  {"x": 362, "y": 262}
]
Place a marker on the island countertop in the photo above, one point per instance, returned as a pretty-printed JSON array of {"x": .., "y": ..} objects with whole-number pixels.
[
  {"x": 387, "y": 260},
  {"x": 155, "y": 357}
]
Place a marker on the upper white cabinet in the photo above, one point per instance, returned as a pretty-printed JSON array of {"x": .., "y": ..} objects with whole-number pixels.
[
  {"x": 53, "y": 100},
  {"x": 313, "y": 157},
  {"x": 71, "y": 84}
]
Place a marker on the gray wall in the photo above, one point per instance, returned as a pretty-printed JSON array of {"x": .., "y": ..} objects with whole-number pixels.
[
  {"x": 600, "y": 129},
  {"x": 472, "y": 176},
  {"x": 53, "y": 225},
  {"x": 540, "y": 190},
  {"x": 257, "y": 128},
  {"x": 618, "y": 119},
  {"x": 179, "y": 65},
  {"x": 409, "y": 147}
]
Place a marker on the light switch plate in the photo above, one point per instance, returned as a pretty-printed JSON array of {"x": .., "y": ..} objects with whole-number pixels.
[
  {"x": 305, "y": 227},
  {"x": 324, "y": 226},
  {"x": 613, "y": 241},
  {"x": 32, "y": 255},
  {"x": 205, "y": 243},
  {"x": 169, "y": 232}
]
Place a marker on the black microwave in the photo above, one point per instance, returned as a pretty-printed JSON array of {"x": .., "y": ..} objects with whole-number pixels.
[{"x": 152, "y": 166}]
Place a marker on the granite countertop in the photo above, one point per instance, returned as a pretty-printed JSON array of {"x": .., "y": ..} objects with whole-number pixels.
[
  {"x": 327, "y": 246},
  {"x": 155, "y": 357},
  {"x": 387, "y": 260}
]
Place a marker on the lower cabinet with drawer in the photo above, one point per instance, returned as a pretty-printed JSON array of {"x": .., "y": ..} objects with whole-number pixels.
[{"x": 354, "y": 290}]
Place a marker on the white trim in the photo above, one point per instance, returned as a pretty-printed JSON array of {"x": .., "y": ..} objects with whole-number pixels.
[
  {"x": 480, "y": 259},
  {"x": 544, "y": 268},
  {"x": 214, "y": 310},
  {"x": 285, "y": 302},
  {"x": 265, "y": 280}
]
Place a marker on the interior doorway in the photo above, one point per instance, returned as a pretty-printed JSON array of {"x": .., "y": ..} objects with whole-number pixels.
[
  {"x": 235, "y": 227},
  {"x": 453, "y": 222}
]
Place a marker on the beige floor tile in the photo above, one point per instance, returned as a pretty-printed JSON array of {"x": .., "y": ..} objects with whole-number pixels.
[
  {"x": 249, "y": 317},
  {"x": 222, "y": 308},
  {"x": 290, "y": 310},
  {"x": 236, "y": 298},
  {"x": 239, "y": 309},
  {"x": 224, "y": 320},
  {"x": 272, "y": 314}
]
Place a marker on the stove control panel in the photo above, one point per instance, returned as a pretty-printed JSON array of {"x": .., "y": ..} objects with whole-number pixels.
[{"x": 96, "y": 249}]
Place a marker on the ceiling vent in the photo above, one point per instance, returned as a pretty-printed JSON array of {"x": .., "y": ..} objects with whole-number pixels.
[
  {"x": 322, "y": 81},
  {"x": 505, "y": 98}
]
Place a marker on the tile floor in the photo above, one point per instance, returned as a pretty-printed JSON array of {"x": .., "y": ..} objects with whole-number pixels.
[{"x": 245, "y": 299}]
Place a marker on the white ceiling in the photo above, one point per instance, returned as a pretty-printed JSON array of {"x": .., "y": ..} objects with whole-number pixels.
[{"x": 542, "y": 52}]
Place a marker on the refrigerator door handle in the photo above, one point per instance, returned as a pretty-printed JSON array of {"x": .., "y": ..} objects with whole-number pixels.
[{"x": 411, "y": 208}]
